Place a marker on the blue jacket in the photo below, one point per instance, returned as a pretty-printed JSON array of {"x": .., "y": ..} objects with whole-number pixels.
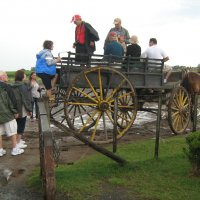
[
  {"x": 45, "y": 63},
  {"x": 114, "y": 49}
]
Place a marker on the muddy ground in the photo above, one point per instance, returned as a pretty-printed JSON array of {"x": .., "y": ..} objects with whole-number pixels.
[{"x": 71, "y": 151}]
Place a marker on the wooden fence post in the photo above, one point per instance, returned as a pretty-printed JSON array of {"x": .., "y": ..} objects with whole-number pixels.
[{"x": 46, "y": 152}]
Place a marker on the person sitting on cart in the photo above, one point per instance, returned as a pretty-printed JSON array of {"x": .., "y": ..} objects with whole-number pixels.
[
  {"x": 133, "y": 53},
  {"x": 113, "y": 50},
  {"x": 154, "y": 52},
  {"x": 85, "y": 37}
]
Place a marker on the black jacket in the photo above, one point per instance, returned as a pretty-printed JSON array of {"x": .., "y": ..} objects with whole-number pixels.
[
  {"x": 91, "y": 35},
  {"x": 133, "y": 50}
]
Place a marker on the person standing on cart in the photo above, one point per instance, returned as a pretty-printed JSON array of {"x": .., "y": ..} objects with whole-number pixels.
[
  {"x": 85, "y": 37},
  {"x": 122, "y": 34}
]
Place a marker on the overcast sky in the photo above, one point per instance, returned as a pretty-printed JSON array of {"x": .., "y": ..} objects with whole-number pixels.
[{"x": 25, "y": 24}]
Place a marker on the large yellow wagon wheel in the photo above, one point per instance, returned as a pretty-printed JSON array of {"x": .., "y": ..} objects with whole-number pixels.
[
  {"x": 90, "y": 103},
  {"x": 179, "y": 110}
]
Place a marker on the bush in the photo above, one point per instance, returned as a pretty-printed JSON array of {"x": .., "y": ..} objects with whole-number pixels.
[{"x": 193, "y": 151}]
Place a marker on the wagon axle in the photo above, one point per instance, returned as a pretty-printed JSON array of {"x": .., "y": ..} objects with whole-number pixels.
[{"x": 103, "y": 105}]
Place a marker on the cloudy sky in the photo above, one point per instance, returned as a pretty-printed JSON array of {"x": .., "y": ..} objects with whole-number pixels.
[{"x": 25, "y": 24}]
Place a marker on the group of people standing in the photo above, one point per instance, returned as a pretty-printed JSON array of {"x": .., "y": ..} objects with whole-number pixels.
[
  {"x": 117, "y": 43},
  {"x": 16, "y": 103}
]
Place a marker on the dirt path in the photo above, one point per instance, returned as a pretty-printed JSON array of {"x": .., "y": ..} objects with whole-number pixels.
[{"x": 73, "y": 150}]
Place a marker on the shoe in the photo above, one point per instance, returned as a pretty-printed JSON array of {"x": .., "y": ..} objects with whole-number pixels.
[
  {"x": 2, "y": 152},
  {"x": 52, "y": 98},
  {"x": 54, "y": 91},
  {"x": 21, "y": 145},
  {"x": 51, "y": 104},
  {"x": 17, "y": 151},
  {"x": 31, "y": 120},
  {"x": 22, "y": 142}
]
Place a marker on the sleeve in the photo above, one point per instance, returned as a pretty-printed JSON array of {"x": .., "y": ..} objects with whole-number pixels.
[
  {"x": 11, "y": 96},
  {"x": 127, "y": 37},
  {"x": 94, "y": 36},
  {"x": 144, "y": 54},
  {"x": 163, "y": 53},
  {"x": 107, "y": 50},
  {"x": 11, "y": 106},
  {"x": 107, "y": 39},
  {"x": 26, "y": 99},
  {"x": 49, "y": 58}
]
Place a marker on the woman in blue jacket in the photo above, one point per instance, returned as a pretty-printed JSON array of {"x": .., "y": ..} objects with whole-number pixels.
[{"x": 46, "y": 66}]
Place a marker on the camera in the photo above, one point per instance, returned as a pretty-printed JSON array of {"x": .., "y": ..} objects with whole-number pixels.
[{"x": 76, "y": 43}]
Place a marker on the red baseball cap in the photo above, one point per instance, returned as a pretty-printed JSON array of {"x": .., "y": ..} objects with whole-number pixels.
[
  {"x": 75, "y": 18},
  {"x": 113, "y": 34}
]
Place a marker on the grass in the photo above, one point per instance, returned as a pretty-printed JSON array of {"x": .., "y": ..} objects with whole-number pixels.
[{"x": 167, "y": 178}]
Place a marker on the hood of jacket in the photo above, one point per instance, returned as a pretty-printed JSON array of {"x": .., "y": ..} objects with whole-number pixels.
[
  {"x": 17, "y": 84},
  {"x": 41, "y": 53}
]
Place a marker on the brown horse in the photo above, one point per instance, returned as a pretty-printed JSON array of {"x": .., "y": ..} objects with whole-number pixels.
[{"x": 191, "y": 82}]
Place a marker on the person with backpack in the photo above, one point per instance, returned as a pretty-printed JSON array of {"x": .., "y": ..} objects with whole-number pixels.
[
  {"x": 23, "y": 97},
  {"x": 8, "y": 113}
]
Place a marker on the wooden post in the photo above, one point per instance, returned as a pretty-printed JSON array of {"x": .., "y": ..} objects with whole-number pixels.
[
  {"x": 46, "y": 149},
  {"x": 158, "y": 126},
  {"x": 49, "y": 175},
  {"x": 115, "y": 126}
]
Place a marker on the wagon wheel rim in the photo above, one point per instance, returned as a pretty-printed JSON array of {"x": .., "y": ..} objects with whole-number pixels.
[
  {"x": 96, "y": 103},
  {"x": 56, "y": 111},
  {"x": 179, "y": 110}
]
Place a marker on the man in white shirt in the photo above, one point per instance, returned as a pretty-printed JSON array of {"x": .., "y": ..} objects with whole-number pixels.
[{"x": 154, "y": 52}]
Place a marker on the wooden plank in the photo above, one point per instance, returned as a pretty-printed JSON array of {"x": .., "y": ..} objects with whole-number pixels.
[{"x": 46, "y": 152}]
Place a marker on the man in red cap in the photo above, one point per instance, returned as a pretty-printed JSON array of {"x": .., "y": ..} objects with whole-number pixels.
[{"x": 85, "y": 37}]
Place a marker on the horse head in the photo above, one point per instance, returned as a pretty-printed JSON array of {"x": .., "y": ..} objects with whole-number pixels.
[{"x": 191, "y": 81}]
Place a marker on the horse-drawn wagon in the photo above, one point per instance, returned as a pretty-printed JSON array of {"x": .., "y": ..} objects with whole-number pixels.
[{"x": 106, "y": 93}]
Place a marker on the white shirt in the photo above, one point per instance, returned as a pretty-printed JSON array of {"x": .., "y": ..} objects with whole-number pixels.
[
  {"x": 154, "y": 52},
  {"x": 34, "y": 89}
]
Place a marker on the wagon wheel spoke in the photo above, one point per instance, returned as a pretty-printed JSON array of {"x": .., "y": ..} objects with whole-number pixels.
[
  {"x": 121, "y": 97},
  {"x": 81, "y": 115},
  {"x": 115, "y": 90},
  {"x": 85, "y": 94},
  {"x": 119, "y": 116},
  {"x": 100, "y": 84},
  {"x": 108, "y": 84},
  {"x": 88, "y": 120},
  {"x": 91, "y": 86},
  {"x": 74, "y": 112},
  {"x": 88, "y": 112},
  {"x": 95, "y": 127}
]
